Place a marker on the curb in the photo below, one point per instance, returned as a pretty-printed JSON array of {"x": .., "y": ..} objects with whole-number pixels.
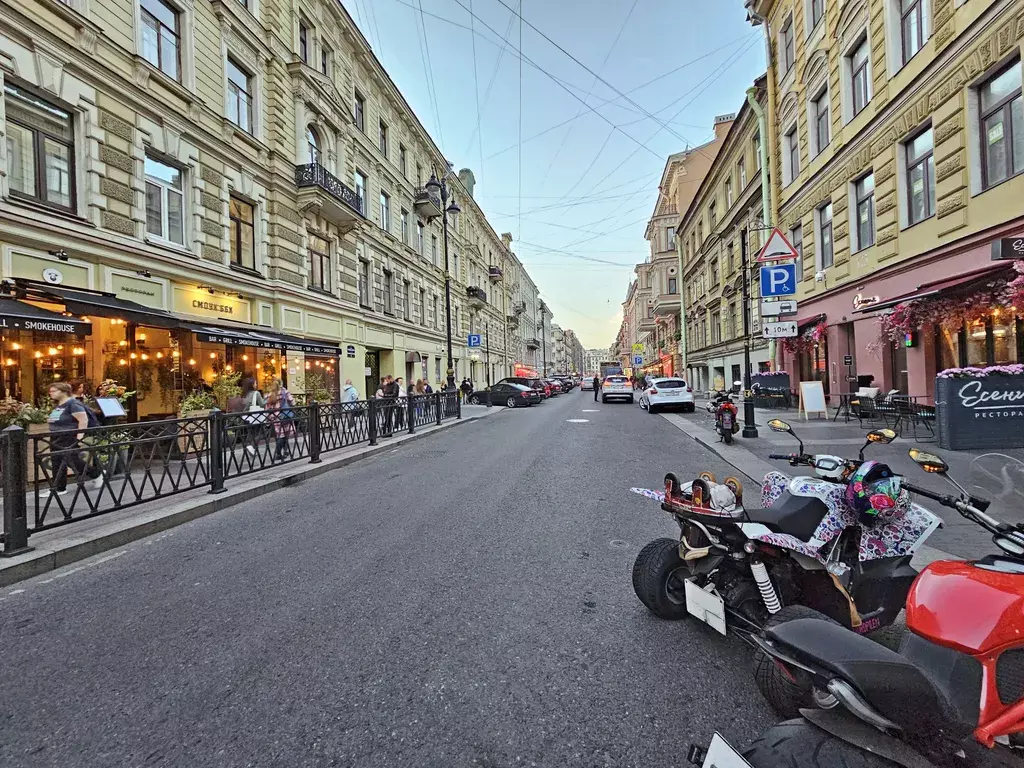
[{"x": 116, "y": 533}]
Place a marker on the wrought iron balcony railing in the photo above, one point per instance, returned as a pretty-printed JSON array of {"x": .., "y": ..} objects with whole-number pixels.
[{"x": 315, "y": 175}]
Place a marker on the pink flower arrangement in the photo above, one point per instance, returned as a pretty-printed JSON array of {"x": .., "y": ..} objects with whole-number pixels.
[
  {"x": 1014, "y": 369},
  {"x": 806, "y": 340}
]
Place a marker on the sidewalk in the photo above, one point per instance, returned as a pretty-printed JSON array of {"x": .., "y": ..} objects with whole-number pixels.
[
  {"x": 959, "y": 536},
  {"x": 58, "y": 547}
]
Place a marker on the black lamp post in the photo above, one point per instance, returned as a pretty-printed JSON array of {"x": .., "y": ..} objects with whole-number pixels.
[{"x": 440, "y": 188}]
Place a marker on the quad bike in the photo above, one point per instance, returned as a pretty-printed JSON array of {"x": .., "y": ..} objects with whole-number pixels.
[
  {"x": 804, "y": 554},
  {"x": 954, "y": 693}
]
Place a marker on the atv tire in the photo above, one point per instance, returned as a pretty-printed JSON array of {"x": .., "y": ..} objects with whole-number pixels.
[
  {"x": 658, "y": 576},
  {"x": 786, "y": 697},
  {"x": 798, "y": 744}
]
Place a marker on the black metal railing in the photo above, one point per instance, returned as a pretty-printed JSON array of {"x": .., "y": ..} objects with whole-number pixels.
[
  {"x": 476, "y": 293},
  {"x": 62, "y": 479},
  {"x": 315, "y": 175}
]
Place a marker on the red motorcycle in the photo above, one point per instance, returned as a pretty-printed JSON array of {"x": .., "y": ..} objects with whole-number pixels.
[
  {"x": 726, "y": 422},
  {"x": 952, "y": 696}
]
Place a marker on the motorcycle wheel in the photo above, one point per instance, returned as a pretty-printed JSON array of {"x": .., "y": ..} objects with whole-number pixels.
[
  {"x": 798, "y": 744},
  {"x": 658, "y": 579},
  {"x": 727, "y": 436},
  {"x": 786, "y": 697}
]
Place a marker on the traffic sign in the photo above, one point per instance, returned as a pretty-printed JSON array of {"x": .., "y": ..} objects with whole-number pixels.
[
  {"x": 783, "y": 330},
  {"x": 778, "y": 280},
  {"x": 638, "y": 360},
  {"x": 778, "y": 308},
  {"x": 778, "y": 248},
  {"x": 638, "y": 347},
  {"x": 473, "y": 340}
]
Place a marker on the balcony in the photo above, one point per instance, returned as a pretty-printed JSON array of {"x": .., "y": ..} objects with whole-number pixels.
[
  {"x": 512, "y": 321},
  {"x": 646, "y": 324},
  {"x": 519, "y": 308},
  {"x": 477, "y": 297},
  {"x": 324, "y": 193},
  {"x": 495, "y": 274},
  {"x": 532, "y": 344},
  {"x": 666, "y": 305},
  {"x": 427, "y": 203}
]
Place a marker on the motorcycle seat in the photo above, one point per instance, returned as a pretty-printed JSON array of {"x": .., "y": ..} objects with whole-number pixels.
[
  {"x": 796, "y": 515},
  {"x": 894, "y": 686}
]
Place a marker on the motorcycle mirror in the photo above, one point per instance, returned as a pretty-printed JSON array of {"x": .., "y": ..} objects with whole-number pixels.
[
  {"x": 883, "y": 436},
  {"x": 778, "y": 425},
  {"x": 929, "y": 462}
]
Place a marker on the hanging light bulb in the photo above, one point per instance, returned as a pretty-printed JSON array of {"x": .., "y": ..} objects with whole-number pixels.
[
  {"x": 258, "y": 366},
  {"x": 133, "y": 356},
  {"x": 175, "y": 353},
  {"x": 191, "y": 361},
  {"x": 122, "y": 361},
  {"x": 228, "y": 368},
  {"x": 37, "y": 354},
  {"x": 15, "y": 346},
  {"x": 245, "y": 357},
  {"x": 213, "y": 355},
  {"x": 145, "y": 356},
  {"x": 9, "y": 361},
  {"x": 122, "y": 343},
  {"x": 51, "y": 351},
  {"x": 159, "y": 355},
  {"x": 60, "y": 347},
  {"x": 141, "y": 337}
]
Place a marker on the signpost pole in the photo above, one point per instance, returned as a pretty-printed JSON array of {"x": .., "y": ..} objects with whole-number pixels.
[
  {"x": 487, "y": 361},
  {"x": 749, "y": 427}
]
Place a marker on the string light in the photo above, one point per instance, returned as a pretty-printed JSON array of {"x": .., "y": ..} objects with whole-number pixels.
[
  {"x": 51, "y": 351},
  {"x": 141, "y": 337},
  {"x": 37, "y": 354},
  {"x": 228, "y": 368},
  {"x": 191, "y": 361},
  {"x": 122, "y": 343},
  {"x": 60, "y": 346},
  {"x": 15, "y": 346},
  {"x": 10, "y": 361},
  {"x": 213, "y": 355},
  {"x": 175, "y": 353},
  {"x": 133, "y": 356},
  {"x": 122, "y": 361},
  {"x": 159, "y": 355},
  {"x": 258, "y": 366},
  {"x": 145, "y": 356},
  {"x": 245, "y": 357}
]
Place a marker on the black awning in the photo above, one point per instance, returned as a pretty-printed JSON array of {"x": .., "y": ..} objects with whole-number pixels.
[
  {"x": 259, "y": 338},
  {"x": 17, "y": 315},
  {"x": 81, "y": 301}
]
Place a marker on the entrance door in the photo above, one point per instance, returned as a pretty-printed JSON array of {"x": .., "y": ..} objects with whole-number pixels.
[
  {"x": 898, "y": 365},
  {"x": 372, "y": 364}
]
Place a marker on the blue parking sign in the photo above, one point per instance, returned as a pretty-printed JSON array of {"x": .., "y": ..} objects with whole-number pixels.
[
  {"x": 638, "y": 360},
  {"x": 778, "y": 280},
  {"x": 473, "y": 340}
]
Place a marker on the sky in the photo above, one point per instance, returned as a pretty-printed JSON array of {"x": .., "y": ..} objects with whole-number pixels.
[{"x": 568, "y": 141}]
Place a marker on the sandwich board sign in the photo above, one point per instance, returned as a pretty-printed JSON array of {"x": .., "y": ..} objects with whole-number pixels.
[
  {"x": 778, "y": 248},
  {"x": 812, "y": 399}
]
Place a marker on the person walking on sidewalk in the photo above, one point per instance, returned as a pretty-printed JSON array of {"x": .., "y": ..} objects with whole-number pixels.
[
  {"x": 280, "y": 405},
  {"x": 349, "y": 398},
  {"x": 597, "y": 386},
  {"x": 68, "y": 420},
  {"x": 388, "y": 394},
  {"x": 401, "y": 401},
  {"x": 253, "y": 405}
]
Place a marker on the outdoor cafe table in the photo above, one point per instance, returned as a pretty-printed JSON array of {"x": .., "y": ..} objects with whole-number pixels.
[{"x": 844, "y": 404}]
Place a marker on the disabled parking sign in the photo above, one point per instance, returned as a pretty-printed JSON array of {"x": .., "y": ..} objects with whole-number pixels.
[{"x": 778, "y": 280}]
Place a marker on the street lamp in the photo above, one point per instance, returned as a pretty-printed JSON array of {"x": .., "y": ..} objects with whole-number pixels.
[{"x": 440, "y": 188}]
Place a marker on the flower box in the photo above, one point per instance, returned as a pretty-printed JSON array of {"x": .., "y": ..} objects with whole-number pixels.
[{"x": 980, "y": 409}]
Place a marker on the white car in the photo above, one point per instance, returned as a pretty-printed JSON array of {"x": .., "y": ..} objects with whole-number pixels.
[
  {"x": 667, "y": 392},
  {"x": 616, "y": 387},
  {"x": 587, "y": 384}
]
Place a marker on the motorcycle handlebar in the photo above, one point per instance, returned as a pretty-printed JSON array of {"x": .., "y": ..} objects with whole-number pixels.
[{"x": 782, "y": 456}]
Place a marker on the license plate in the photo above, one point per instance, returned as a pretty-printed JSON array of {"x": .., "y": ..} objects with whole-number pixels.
[
  {"x": 706, "y": 606},
  {"x": 671, "y": 394},
  {"x": 721, "y": 755}
]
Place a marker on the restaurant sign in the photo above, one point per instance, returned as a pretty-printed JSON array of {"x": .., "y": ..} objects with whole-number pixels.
[
  {"x": 196, "y": 301},
  {"x": 980, "y": 413},
  {"x": 267, "y": 342}
]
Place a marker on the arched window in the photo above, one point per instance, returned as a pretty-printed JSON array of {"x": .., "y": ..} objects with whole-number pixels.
[{"x": 313, "y": 141}]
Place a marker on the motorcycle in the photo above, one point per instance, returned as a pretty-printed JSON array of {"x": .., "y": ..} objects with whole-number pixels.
[
  {"x": 954, "y": 693},
  {"x": 726, "y": 422},
  {"x": 805, "y": 554}
]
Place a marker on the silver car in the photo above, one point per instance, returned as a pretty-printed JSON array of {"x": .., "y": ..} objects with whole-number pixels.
[{"x": 616, "y": 388}]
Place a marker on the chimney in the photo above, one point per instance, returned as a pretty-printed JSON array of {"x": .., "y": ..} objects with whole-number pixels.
[
  {"x": 722, "y": 125},
  {"x": 506, "y": 238},
  {"x": 468, "y": 180}
]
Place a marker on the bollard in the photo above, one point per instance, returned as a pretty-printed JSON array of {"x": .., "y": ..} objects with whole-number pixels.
[
  {"x": 458, "y": 407},
  {"x": 15, "y": 535},
  {"x": 371, "y": 414},
  {"x": 490, "y": 398},
  {"x": 437, "y": 405},
  {"x": 215, "y": 438},
  {"x": 313, "y": 416},
  {"x": 411, "y": 412}
]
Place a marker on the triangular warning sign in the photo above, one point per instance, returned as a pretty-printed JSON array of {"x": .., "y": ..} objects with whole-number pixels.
[{"x": 777, "y": 248}]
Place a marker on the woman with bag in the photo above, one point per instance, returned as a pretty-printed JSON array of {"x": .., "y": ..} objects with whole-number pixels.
[
  {"x": 280, "y": 407},
  {"x": 253, "y": 405}
]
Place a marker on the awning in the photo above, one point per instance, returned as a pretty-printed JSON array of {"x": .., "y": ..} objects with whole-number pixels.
[
  {"x": 17, "y": 315},
  {"x": 936, "y": 287},
  {"x": 259, "y": 338},
  {"x": 80, "y": 301}
]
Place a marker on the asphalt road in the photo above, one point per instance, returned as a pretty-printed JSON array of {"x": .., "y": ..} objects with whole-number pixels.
[{"x": 463, "y": 600}]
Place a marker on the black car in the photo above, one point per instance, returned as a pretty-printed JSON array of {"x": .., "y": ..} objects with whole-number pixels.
[
  {"x": 507, "y": 394},
  {"x": 536, "y": 384}
]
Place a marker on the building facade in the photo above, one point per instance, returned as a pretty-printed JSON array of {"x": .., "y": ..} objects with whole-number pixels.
[
  {"x": 897, "y": 163},
  {"x": 231, "y": 186}
]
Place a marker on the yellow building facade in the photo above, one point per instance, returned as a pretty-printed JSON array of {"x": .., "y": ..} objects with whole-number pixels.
[{"x": 897, "y": 138}]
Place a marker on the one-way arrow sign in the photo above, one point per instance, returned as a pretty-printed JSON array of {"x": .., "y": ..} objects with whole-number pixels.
[{"x": 777, "y": 248}]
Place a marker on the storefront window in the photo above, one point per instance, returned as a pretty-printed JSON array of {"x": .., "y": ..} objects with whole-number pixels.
[
  {"x": 1004, "y": 339},
  {"x": 948, "y": 347},
  {"x": 977, "y": 356}
]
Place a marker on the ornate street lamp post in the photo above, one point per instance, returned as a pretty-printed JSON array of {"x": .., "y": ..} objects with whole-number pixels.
[{"x": 441, "y": 189}]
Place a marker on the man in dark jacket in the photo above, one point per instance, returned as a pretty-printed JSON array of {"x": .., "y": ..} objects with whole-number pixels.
[
  {"x": 390, "y": 392},
  {"x": 597, "y": 387}
]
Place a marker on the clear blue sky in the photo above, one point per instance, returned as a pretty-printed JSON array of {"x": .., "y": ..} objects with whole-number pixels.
[{"x": 579, "y": 195}]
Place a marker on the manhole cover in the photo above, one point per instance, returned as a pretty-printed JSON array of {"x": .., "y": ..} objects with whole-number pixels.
[{"x": 577, "y": 421}]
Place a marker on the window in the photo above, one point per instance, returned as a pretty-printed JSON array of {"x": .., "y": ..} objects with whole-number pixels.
[
  {"x": 406, "y": 304},
  {"x": 1002, "y": 126},
  {"x": 712, "y": 214},
  {"x": 792, "y": 155},
  {"x": 364, "y": 282},
  {"x": 319, "y": 264},
  {"x": 821, "y": 114},
  {"x": 715, "y": 279},
  {"x": 423, "y": 306},
  {"x": 673, "y": 286},
  {"x": 716, "y": 327},
  {"x": 359, "y": 109},
  {"x": 164, "y": 202},
  {"x": 385, "y": 211},
  {"x": 670, "y": 238},
  {"x": 455, "y": 262},
  {"x": 325, "y": 59},
  {"x": 360, "y": 180},
  {"x": 825, "y": 249},
  {"x": 859, "y": 76},
  {"x": 313, "y": 143},
  {"x": 433, "y": 253},
  {"x": 382, "y": 138},
  {"x": 817, "y": 11},
  {"x": 864, "y": 210},
  {"x": 161, "y": 44},
  {"x": 786, "y": 50},
  {"x": 239, "y": 96},
  {"x": 796, "y": 239},
  {"x": 405, "y": 226},
  {"x": 419, "y": 238},
  {"x": 730, "y": 251},
  {"x": 757, "y": 151},
  {"x": 437, "y": 315},
  {"x": 243, "y": 233},
  {"x": 728, "y": 193},
  {"x": 389, "y": 288},
  {"x": 419, "y": 173},
  {"x": 650, "y": 312},
  {"x": 741, "y": 167},
  {"x": 911, "y": 28},
  {"x": 403, "y": 160},
  {"x": 40, "y": 149},
  {"x": 303, "y": 43},
  {"x": 920, "y": 179}
]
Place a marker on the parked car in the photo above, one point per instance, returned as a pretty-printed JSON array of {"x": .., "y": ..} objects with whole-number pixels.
[
  {"x": 668, "y": 392},
  {"x": 553, "y": 387},
  {"x": 536, "y": 384},
  {"x": 567, "y": 384},
  {"x": 587, "y": 385},
  {"x": 616, "y": 387},
  {"x": 507, "y": 394}
]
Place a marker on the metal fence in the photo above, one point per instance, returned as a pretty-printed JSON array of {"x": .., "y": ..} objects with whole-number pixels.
[{"x": 58, "y": 478}]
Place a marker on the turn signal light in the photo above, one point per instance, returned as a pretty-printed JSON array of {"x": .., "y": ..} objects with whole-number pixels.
[{"x": 652, "y": 391}]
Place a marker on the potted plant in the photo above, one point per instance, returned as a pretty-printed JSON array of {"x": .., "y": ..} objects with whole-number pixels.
[
  {"x": 195, "y": 405},
  {"x": 980, "y": 408},
  {"x": 14, "y": 413}
]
